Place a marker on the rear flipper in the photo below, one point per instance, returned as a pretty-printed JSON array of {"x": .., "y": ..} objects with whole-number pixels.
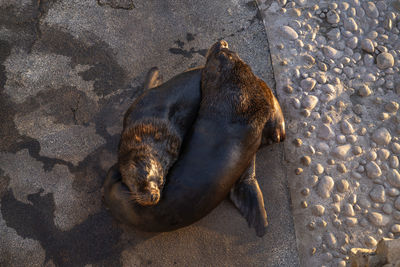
[
  {"x": 153, "y": 78},
  {"x": 247, "y": 197}
]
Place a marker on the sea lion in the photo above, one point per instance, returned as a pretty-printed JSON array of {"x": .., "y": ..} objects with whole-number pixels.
[
  {"x": 153, "y": 129},
  {"x": 217, "y": 158}
]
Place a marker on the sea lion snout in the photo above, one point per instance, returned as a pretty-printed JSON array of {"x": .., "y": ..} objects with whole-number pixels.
[
  {"x": 150, "y": 195},
  {"x": 215, "y": 48}
]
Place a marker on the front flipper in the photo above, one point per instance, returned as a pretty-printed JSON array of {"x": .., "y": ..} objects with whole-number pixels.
[
  {"x": 248, "y": 198},
  {"x": 274, "y": 129},
  {"x": 153, "y": 79}
]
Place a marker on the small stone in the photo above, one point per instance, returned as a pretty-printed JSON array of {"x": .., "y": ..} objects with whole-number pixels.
[
  {"x": 394, "y": 162},
  {"x": 318, "y": 210},
  {"x": 350, "y": 24},
  {"x": 372, "y": 35},
  {"x": 318, "y": 169},
  {"x": 346, "y": 127},
  {"x": 384, "y": 116},
  {"x": 332, "y": 17},
  {"x": 304, "y": 204},
  {"x": 342, "y": 186},
  {"x": 306, "y": 113},
  {"x": 395, "y": 148},
  {"x": 371, "y": 10},
  {"x": 325, "y": 186},
  {"x": 325, "y": 132},
  {"x": 351, "y": 138},
  {"x": 352, "y": 42},
  {"x": 357, "y": 150},
  {"x": 313, "y": 180},
  {"x": 305, "y": 160},
  {"x": 298, "y": 171},
  {"x": 341, "y": 139},
  {"x": 341, "y": 168},
  {"x": 336, "y": 207},
  {"x": 397, "y": 203},
  {"x": 327, "y": 257},
  {"x": 384, "y": 60},
  {"x": 297, "y": 142},
  {"x": 377, "y": 194},
  {"x": 395, "y": 228},
  {"x": 378, "y": 219},
  {"x": 332, "y": 53},
  {"x": 321, "y": 78},
  {"x": 323, "y": 147},
  {"x": 356, "y": 175},
  {"x": 305, "y": 191},
  {"x": 370, "y": 242},
  {"x": 362, "y": 131},
  {"x": 393, "y": 192},
  {"x": 312, "y": 226},
  {"x": 309, "y": 102},
  {"x": 322, "y": 223},
  {"x": 288, "y": 89},
  {"x": 308, "y": 84},
  {"x": 289, "y": 33},
  {"x": 336, "y": 198},
  {"x": 383, "y": 154},
  {"x": 310, "y": 149},
  {"x": 389, "y": 249},
  {"x": 368, "y": 60},
  {"x": 392, "y": 107},
  {"x": 348, "y": 210},
  {"x": 352, "y": 199},
  {"x": 351, "y": 221},
  {"x": 364, "y": 202},
  {"x": 387, "y": 208},
  {"x": 371, "y": 156},
  {"x": 322, "y": 66},
  {"x": 326, "y": 119},
  {"x": 364, "y": 90},
  {"x": 373, "y": 170},
  {"x": 309, "y": 60},
  {"x": 393, "y": 177},
  {"x": 296, "y": 103},
  {"x": 334, "y": 34},
  {"x": 330, "y": 240},
  {"x": 341, "y": 152},
  {"x": 367, "y": 45},
  {"x": 381, "y": 136}
]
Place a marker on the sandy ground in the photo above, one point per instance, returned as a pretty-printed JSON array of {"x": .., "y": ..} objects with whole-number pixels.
[{"x": 68, "y": 71}]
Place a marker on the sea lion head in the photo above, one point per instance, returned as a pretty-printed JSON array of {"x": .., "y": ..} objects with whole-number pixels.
[
  {"x": 143, "y": 175},
  {"x": 223, "y": 66},
  {"x": 220, "y": 60}
]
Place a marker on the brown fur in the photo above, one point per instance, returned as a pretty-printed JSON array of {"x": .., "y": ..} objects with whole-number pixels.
[{"x": 149, "y": 146}]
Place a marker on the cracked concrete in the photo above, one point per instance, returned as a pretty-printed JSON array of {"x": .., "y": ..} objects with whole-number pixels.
[{"x": 68, "y": 72}]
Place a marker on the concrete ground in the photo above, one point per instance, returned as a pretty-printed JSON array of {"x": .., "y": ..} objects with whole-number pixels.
[
  {"x": 68, "y": 71},
  {"x": 337, "y": 73}
]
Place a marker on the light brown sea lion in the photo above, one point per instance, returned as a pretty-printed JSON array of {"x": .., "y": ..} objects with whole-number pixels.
[{"x": 153, "y": 130}]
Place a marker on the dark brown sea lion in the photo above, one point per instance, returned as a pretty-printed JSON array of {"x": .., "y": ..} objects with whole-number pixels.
[
  {"x": 153, "y": 130},
  {"x": 217, "y": 158}
]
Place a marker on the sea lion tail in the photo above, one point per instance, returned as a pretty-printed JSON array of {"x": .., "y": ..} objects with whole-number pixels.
[{"x": 153, "y": 79}]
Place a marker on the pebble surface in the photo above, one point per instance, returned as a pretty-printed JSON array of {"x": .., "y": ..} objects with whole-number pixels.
[{"x": 341, "y": 92}]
